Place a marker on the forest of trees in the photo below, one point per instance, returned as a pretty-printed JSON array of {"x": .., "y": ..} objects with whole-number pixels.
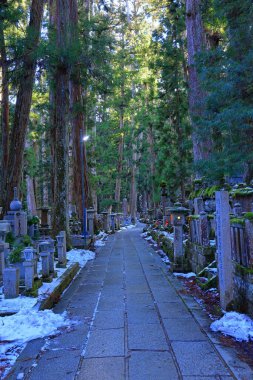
[{"x": 164, "y": 89}]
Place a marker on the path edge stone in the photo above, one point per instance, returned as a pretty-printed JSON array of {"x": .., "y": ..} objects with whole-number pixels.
[{"x": 65, "y": 280}]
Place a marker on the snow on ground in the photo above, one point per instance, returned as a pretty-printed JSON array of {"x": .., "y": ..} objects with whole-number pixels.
[
  {"x": 166, "y": 260},
  {"x": 16, "y": 304},
  {"x": 185, "y": 275},
  {"x": 144, "y": 234},
  {"x": 80, "y": 255},
  {"x": 102, "y": 235},
  {"x": 148, "y": 238},
  {"x": 23, "y": 327},
  {"x": 167, "y": 235},
  {"x": 128, "y": 227},
  {"x": 99, "y": 243},
  {"x": 239, "y": 326},
  {"x": 20, "y": 328}
]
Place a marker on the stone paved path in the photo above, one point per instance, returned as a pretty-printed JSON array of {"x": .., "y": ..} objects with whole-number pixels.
[{"x": 133, "y": 325}]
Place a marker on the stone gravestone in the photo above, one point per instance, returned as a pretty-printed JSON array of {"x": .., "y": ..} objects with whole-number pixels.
[
  {"x": 224, "y": 253},
  {"x": 198, "y": 205},
  {"x": 125, "y": 210},
  {"x": 29, "y": 274},
  {"x": 90, "y": 219},
  {"x": 105, "y": 215},
  {"x": 204, "y": 230},
  {"x": 11, "y": 282},
  {"x": 112, "y": 216},
  {"x": 63, "y": 233},
  {"x": 2, "y": 261},
  {"x": 178, "y": 214},
  {"x": 62, "y": 258}
]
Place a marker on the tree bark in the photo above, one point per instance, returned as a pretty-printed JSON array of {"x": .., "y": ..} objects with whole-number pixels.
[
  {"x": 60, "y": 116},
  {"x": 120, "y": 158},
  {"x": 78, "y": 121},
  {"x": 202, "y": 145},
  {"x": 23, "y": 103},
  {"x": 4, "y": 155}
]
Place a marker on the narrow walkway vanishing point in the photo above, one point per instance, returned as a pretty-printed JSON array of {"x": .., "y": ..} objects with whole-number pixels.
[{"x": 132, "y": 324}]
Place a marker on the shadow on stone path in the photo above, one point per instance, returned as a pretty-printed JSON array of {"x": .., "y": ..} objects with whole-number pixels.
[{"x": 132, "y": 324}]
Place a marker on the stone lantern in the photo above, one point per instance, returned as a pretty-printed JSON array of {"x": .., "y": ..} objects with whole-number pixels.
[
  {"x": 90, "y": 219},
  {"x": 178, "y": 219},
  {"x": 62, "y": 259},
  {"x": 29, "y": 267},
  {"x": 112, "y": 216},
  {"x": 105, "y": 215},
  {"x": 44, "y": 254}
]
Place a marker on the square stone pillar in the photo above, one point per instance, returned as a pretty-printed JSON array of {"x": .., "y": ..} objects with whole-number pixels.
[
  {"x": 62, "y": 257},
  {"x": 90, "y": 220},
  {"x": 105, "y": 221},
  {"x": 11, "y": 282},
  {"x": 2, "y": 258},
  {"x": 63, "y": 233},
  {"x": 178, "y": 217},
  {"x": 198, "y": 205},
  {"x": 112, "y": 222},
  {"x": 224, "y": 252},
  {"x": 29, "y": 274},
  {"x": 204, "y": 230},
  {"x": 45, "y": 264}
]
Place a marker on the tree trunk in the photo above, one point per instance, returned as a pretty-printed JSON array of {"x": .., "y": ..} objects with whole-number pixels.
[
  {"x": 120, "y": 158},
  {"x": 4, "y": 152},
  {"x": 30, "y": 197},
  {"x": 133, "y": 192},
  {"x": 79, "y": 127},
  {"x": 23, "y": 103},
  {"x": 202, "y": 145},
  {"x": 60, "y": 116}
]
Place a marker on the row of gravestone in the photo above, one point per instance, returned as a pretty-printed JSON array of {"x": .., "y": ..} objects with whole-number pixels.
[
  {"x": 26, "y": 271},
  {"x": 223, "y": 242}
]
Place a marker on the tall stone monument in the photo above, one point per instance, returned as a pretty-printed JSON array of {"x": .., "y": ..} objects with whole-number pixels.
[
  {"x": 178, "y": 216},
  {"x": 224, "y": 252}
]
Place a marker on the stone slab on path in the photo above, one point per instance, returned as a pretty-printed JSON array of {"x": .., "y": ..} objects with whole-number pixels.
[{"x": 132, "y": 324}]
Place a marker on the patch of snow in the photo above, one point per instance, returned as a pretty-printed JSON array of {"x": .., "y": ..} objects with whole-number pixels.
[
  {"x": 102, "y": 235},
  {"x": 131, "y": 226},
  {"x": 166, "y": 260},
  {"x": 237, "y": 325},
  {"x": 148, "y": 238},
  {"x": 23, "y": 326},
  {"x": 185, "y": 275},
  {"x": 80, "y": 256},
  {"x": 212, "y": 290},
  {"x": 16, "y": 304},
  {"x": 99, "y": 243},
  {"x": 144, "y": 234},
  {"x": 20, "y": 376},
  {"x": 212, "y": 270}
]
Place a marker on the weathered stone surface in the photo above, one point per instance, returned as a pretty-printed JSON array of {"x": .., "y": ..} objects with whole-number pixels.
[
  {"x": 224, "y": 255},
  {"x": 11, "y": 282},
  {"x": 152, "y": 365},
  {"x": 105, "y": 343},
  {"x": 198, "y": 359},
  {"x": 102, "y": 369}
]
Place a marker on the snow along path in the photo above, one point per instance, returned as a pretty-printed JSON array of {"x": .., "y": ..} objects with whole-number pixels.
[
  {"x": 28, "y": 324},
  {"x": 132, "y": 323}
]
